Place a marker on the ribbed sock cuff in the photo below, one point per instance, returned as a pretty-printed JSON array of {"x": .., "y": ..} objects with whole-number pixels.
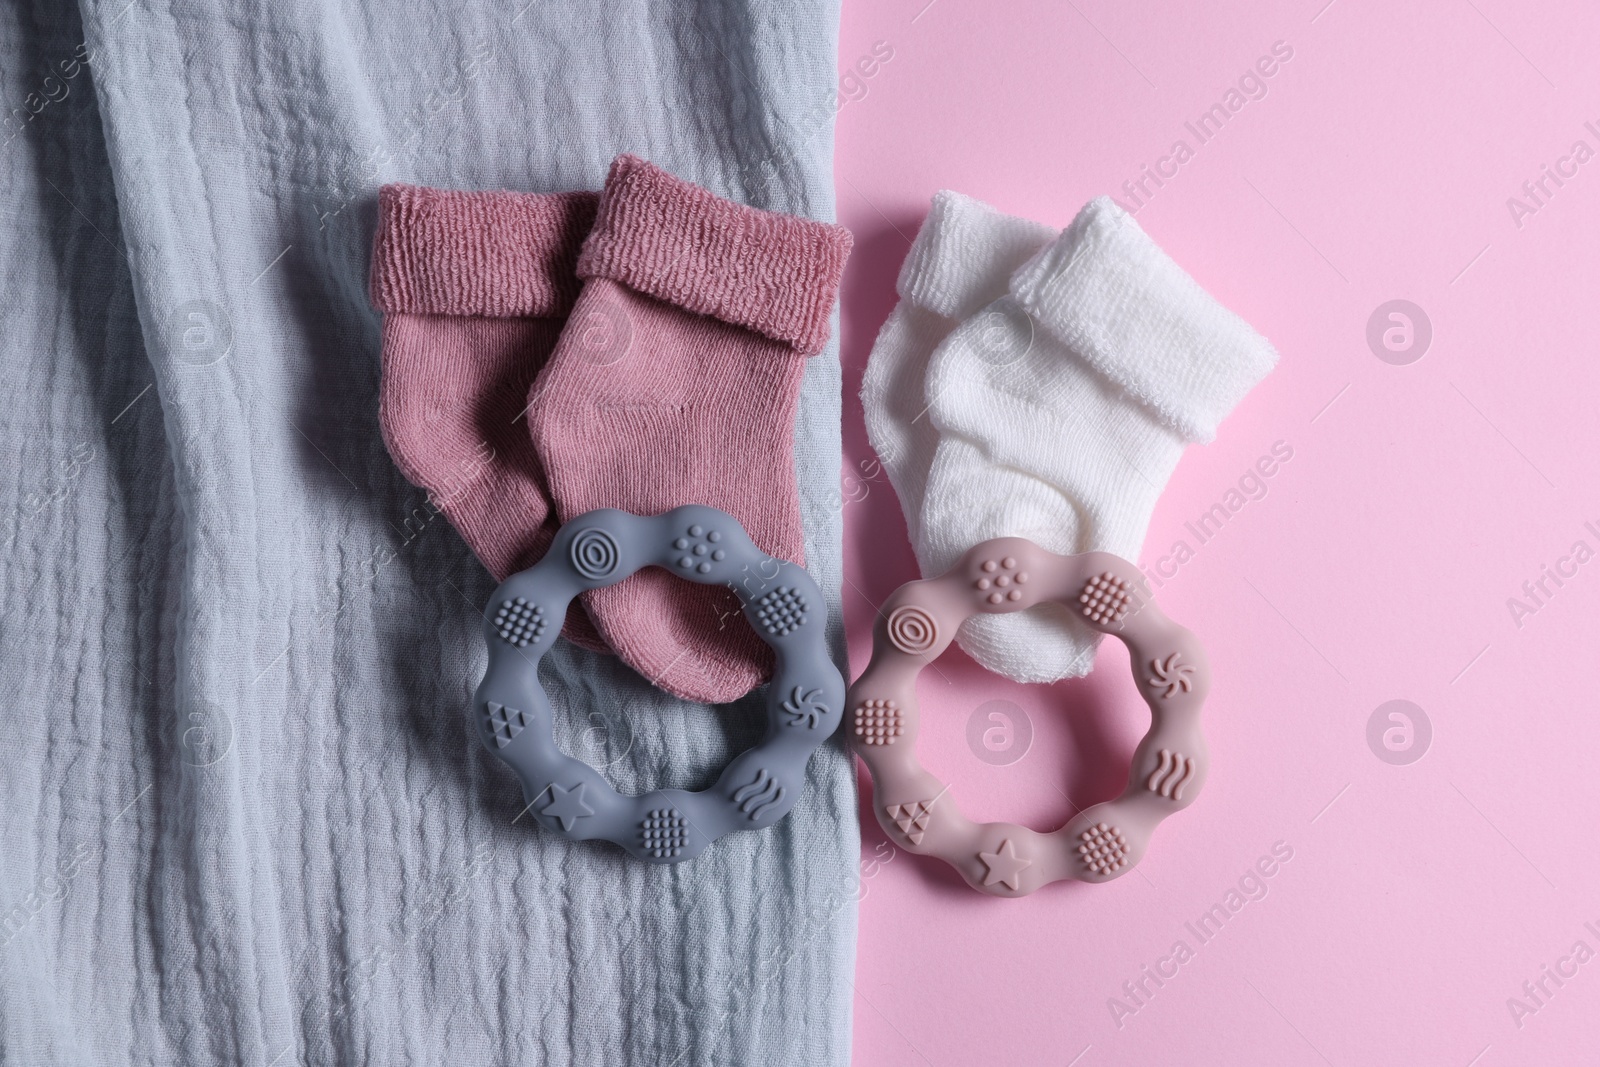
[
  {"x": 1106, "y": 291},
  {"x": 500, "y": 255},
  {"x": 965, "y": 254},
  {"x": 772, "y": 273}
]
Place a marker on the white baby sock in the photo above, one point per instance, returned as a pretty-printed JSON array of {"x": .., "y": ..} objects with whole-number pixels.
[
  {"x": 1062, "y": 409},
  {"x": 962, "y": 259}
]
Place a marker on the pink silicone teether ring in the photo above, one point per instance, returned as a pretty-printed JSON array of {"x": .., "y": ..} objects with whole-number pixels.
[{"x": 918, "y": 622}]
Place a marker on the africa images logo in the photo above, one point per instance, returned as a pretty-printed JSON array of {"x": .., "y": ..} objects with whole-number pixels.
[
  {"x": 1204, "y": 127},
  {"x": 1251, "y": 886}
]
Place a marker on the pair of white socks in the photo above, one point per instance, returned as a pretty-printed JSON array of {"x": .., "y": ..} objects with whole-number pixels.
[{"x": 1044, "y": 385}]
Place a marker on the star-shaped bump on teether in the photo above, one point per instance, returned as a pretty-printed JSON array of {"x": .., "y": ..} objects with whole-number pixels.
[
  {"x": 567, "y": 805},
  {"x": 1004, "y": 865}
]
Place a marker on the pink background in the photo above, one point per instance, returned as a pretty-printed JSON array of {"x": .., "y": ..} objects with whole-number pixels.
[{"x": 1419, "y": 498}]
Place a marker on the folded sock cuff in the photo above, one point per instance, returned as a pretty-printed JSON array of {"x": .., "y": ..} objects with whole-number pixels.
[
  {"x": 965, "y": 254},
  {"x": 496, "y": 254},
  {"x": 772, "y": 273},
  {"x": 1106, "y": 291}
]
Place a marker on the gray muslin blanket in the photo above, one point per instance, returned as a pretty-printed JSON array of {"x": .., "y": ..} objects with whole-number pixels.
[{"x": 244, "y": 818}]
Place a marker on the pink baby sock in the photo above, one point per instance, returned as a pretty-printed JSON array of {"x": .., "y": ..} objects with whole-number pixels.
[
  {"x": 474, "y": 289},
  {"x": 676, "y": 382}
]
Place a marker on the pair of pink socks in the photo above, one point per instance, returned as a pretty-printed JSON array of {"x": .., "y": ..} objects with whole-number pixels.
[{"x": 548, "y": 354}]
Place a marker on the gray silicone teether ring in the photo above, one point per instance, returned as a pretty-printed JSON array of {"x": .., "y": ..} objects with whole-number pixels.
[{"x": 805, "y": 700}]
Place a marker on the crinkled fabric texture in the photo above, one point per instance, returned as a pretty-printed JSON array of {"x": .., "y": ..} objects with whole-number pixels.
[{"x": 244, "y": 818}]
